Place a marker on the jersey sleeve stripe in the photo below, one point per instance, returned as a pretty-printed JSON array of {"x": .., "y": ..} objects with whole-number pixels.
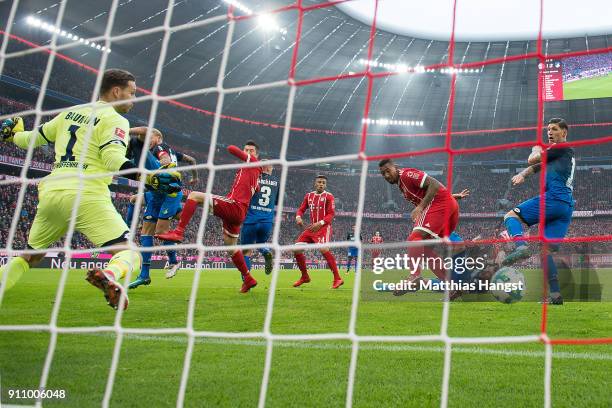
[
  {"x": 423, "y": 180},
  {"x": 42, "y": 133},
  {"x": 116, "y": 141}
]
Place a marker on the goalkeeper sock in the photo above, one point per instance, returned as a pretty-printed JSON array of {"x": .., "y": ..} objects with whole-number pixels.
[
  {"x": 331, "y": 261},
  {"x": 171, "y": 253},
  {"x": 122, "y": 262},
  {"x": 515, "y": 229},
  {"x": 146, "y": 241},
  {"x": 187, "y": 213},
  {"x": 247, "y": 260},
  {"x": 238, "y": 260},
  {"x": 264, "y": 251},
  {"x": 130, "y": 214},
  {"x": 15, "y": 268},
  {"x": 553, "y": 281},
  {"x": 301, "y": 261}
]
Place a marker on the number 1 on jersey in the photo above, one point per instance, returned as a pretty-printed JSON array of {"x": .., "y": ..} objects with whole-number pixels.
[{"x": 73, "y": 138}]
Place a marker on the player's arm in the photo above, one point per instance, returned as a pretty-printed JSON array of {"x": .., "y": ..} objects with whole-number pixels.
[
  {"x": 162, "y": 155},
  {"x": 239, "y": 153},
  {"x": 189, "y": 160},
  {"x": 13, "y": 130},
  {"x": 301, "y": 211},
  {"x": 431, "y": 185},
  {"x": 520, "y": 178},
  {"x": 141, "y": 132},
  {"x": 535, "y": 156}
]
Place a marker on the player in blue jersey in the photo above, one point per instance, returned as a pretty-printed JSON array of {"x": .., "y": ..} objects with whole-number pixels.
[
  {"x": 257, "y": 225},
  {"x": 353, "y": 251},
  {"x": 160, "y": 208},
  {"x": 558, "y": 201}
]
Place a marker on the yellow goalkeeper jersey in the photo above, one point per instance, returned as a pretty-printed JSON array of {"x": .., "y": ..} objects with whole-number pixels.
[{"x": 104, "y": 152}]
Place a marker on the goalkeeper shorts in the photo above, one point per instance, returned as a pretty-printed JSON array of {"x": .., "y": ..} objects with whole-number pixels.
[{"x": 96, "y": 218}]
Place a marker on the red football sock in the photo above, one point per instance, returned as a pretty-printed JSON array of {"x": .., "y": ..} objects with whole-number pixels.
[
  {"x": 435, "y": 263},
  {"x": 415, "y": 252},
  {"x": 238, "y": 260},
  {"x": 301, "y": 261},
  {"x": 331, "y": 261},
  {"x": 187, "y": 214}
]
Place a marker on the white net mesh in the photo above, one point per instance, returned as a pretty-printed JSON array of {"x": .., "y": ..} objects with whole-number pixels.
[{"x": 291, "y": 85}]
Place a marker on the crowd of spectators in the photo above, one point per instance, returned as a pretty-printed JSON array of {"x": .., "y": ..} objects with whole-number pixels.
[
  {"x": 586, "y": 66},
  {"x": 189, "y": 131}
]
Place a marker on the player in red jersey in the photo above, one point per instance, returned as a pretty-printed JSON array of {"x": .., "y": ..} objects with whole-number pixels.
[
  {"x": 435, "y": 215},
  {"x": 376, "y": 239},
  {"x": 231, "y": 209},
  {"x": 322, "y": 209}
]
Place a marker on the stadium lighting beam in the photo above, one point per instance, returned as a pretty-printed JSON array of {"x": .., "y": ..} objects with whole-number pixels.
[
  {"x": 392, "y": 122},
  {"x": 265, "y": 21},
  {"x": 416, "y": 69},
  {"x": 38, "y": 23}
]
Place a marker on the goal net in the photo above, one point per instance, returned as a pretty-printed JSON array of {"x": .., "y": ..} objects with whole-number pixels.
[{"x": 322, "y": 94}]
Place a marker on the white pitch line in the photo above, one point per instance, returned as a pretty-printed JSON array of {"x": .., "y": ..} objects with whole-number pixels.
[{"x": 561, "y": 355}]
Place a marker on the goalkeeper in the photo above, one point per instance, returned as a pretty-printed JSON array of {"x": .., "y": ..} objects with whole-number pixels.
[{"x": 94, "y": 136}]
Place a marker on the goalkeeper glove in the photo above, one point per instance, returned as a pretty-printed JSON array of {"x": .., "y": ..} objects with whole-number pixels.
[
  {"x": 9, "y": 127},
  {"x": 167, "y": 182}
]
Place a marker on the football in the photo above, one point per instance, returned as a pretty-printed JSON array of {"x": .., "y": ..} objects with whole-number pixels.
[{"x": 512, "y": 280}]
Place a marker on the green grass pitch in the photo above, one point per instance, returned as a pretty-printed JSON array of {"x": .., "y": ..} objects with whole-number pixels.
[
  {"x": 600, "y": 87},
  {"x": 315, "y": 373}
]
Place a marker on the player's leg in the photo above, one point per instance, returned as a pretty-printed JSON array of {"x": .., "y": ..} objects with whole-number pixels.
[
  {"x": 264, "y": 230},
  {"x": 304, "y": 238},
  {"x": 416, "y": 250},
  {"x": 153, "y": 203},
  {"x": 48, "y": 226},
  {"x": 94, "y": 212},
  {"x": 528, "y": 213},
  {"x": 331, "y": 263},
  {"x": 248, "y": 236},
  {"x": 170, "y": 207},
  {"x": 130, "y": 211},
  {"x": 230, "y": 237},
  {"x": 323, "y": 237},
  {"x": 194, "y": 199},
  {"x": 349, "y": 261},
  {"x": 232, "y": 214},
  {"x": 558, "y": 218}
]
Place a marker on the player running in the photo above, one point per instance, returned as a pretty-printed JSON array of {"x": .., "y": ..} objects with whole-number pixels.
[
  {"x": 322, "y": 209},
  {"x": 558, "y": 202},
  {"x": 257, "y": 225},
  {"x": 232, "y": 209},
  {"x": 160, "y": 208},
  {"x": 93, "y": 137},
  {"x": 352, "y": 251},
  {"x": 435, "y": 215}
]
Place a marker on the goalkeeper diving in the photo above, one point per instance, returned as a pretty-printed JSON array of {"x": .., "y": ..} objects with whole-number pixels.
[{"x": 88, "y": 141}]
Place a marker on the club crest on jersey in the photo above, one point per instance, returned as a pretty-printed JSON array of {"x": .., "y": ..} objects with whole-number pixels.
[{"x": 120, "y": 133}]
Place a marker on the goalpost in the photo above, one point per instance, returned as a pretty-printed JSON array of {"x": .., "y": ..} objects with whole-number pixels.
[{"x": 234, "y": 15}]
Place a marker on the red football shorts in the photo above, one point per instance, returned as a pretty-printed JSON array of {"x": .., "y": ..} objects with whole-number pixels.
[
  {"x": 376, "y": 253},
  {"x": 231, "y": 212},
  {"x": 322, "y": 236},
  {"x": 439, "y": 218}
]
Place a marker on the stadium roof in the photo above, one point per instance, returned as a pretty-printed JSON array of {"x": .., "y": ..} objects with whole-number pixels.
[{"x": 485, "y": 20}]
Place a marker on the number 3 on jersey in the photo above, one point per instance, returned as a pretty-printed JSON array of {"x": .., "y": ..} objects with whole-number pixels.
[
  {"x": 265, "y": 196},
  {"x": 73, "y": 138}
]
